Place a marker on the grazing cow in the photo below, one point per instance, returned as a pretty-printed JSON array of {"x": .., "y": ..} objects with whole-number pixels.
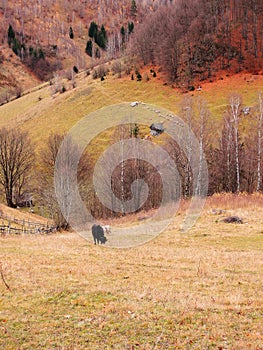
[
  {"x": 106, "y": 229},
  {"x": 98, "y": 234}
]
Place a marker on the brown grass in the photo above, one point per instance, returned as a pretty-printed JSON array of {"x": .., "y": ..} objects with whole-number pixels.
[
  {"x": 197, "y": 290},
  {"x": 40, "y": 114},
  {"x": 21, "y": 214}
]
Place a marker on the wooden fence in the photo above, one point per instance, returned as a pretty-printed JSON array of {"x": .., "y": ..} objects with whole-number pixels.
[{"x": 13, "y": 225}]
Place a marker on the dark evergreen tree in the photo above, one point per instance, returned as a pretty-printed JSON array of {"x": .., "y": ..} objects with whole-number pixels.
[
  {"x": 122, "y": 35},
  {"x": 138, "y": 75},
  {"x": 135, "y": 130},
  {"x": 71, "y": 33},
  {"x": 97, "y": 53},
  {"x": 103, "y": 32},
  {"x": 41, "y": 54},
  {"x": 130, "y": 27},
  {"x": 122, "y": 31},
  {"x": 16, "y": 46},
  {"x": 35, "y": 53},
  {"x": 93, "y": 30},
  {"x": 89, "y": 48},
  {"x": 101, "y": 38},
  {"x": 11, "y": 35},
  {"x": 31, "y": 50},
  {"x": 133, "y": 8}
]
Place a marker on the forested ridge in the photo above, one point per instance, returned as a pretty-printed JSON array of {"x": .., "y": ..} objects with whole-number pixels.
[
  {"x": 193, "y": 40},
  {"x": 190, "y": 40}
]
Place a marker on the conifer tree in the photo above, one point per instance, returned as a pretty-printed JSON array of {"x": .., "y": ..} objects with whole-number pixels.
[
  {"x": 130, "y": 27},
  {"x": 71, "y": 33},
  {"x": 133, "y": 8},
  {"x": 89, "y": 48},
  {"x": 93, "y": 30},
  {"x": 11, "y": 35},
  {"x": 101, "y": 38},
  {"x": 122, "y": 31}
]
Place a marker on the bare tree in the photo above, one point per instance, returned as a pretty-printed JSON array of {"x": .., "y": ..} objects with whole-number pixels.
[
  {"x": 202, "y": 133},
  {"x": 16, "y": 160},
  {"x": 259, "y": 131},
  {"x": 46, "y": 177},
  {"x": 187, "y": 113},
  {"x": 235, "y": 110}
]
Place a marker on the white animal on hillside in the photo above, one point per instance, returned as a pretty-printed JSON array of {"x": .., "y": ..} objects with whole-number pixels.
[{"x": 106, "y": 229}]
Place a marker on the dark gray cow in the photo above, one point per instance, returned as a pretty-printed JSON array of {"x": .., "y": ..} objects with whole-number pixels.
[{"x": 98, "y": 234}]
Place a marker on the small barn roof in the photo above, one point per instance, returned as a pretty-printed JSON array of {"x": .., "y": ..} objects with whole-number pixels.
[{"x": 156, "y": 129}]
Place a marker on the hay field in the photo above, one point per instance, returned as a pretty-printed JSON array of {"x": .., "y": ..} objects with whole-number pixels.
[{"x": 199, "y": 290}]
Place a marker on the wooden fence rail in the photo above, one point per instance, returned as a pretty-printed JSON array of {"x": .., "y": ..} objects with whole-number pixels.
[
  {"x": 7, "y": 229},
  {"x": 26, "y": 226},
  {"x": 24, "y": 222}
]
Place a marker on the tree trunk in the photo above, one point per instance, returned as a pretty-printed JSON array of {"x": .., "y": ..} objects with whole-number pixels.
[
  {"x": 235, "y": 103},
  {"x": 259, "y": 155}
]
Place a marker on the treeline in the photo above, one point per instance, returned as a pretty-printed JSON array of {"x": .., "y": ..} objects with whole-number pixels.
[
  {"x": 33, "y": 57},
  {"x": 46, "y": 43},
  {"x": 98, "y": 36},
  {"x": 232, "y": 147},
  {"x": 192, "y": 40}
]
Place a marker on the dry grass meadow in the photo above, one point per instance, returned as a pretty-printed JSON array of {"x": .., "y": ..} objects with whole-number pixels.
[{"x": 197, "y": 290}]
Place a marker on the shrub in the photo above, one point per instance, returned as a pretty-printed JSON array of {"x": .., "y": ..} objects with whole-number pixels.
[
  {"x": 145, "y": 77},
  {"x": 116, "y": 68},
  {"x": 95, "y": 74},
  {"x": 100, "y": 72},
  {"x": 88, "y": 49},
  {"x": 138, "y": 76}
]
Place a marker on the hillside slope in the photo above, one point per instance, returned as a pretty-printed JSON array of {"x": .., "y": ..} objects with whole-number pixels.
[
  {"x": 190, "y": 42},
  {"x": 21, "y": 214},
  {"x": 41, "y": 112},
  {"x": 46, "y": 26},
  {"x": 15, "y": 77}
]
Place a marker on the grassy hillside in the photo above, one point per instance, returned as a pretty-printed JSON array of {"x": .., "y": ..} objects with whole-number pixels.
[
  {"x": 39, "y": 113},
  {"x": 196, "y": 290},
  {"x": 14, "y": 76},
  {"x": 21, "y": 214},
  {"x": 200, "y": 290}
]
